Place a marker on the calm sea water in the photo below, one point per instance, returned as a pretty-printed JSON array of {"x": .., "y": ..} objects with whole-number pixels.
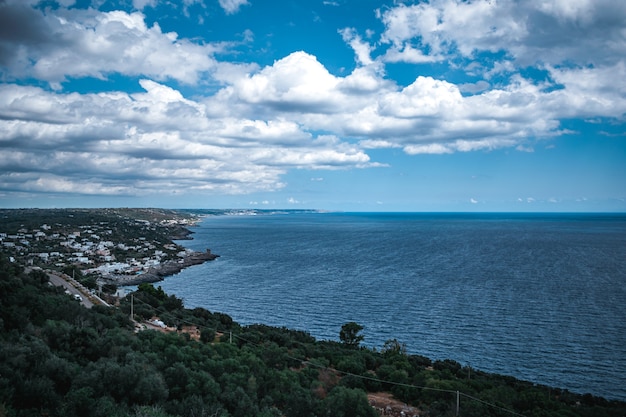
[{"x": 538, "y": 297}]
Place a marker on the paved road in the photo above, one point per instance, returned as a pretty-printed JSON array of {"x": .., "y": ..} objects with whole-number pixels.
[{"x": 60, "y": 282}]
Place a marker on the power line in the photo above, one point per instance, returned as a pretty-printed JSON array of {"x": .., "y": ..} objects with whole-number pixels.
[
  {"x": 363, "y": 377},
  {"x": 457, "y": 392},
  {"x": 491, "y": 405}
]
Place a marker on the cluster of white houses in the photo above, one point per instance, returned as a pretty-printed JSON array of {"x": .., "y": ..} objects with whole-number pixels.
[{"x": 90, "y": 248}]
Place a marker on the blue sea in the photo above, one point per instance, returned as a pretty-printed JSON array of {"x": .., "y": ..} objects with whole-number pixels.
[{"x": 541, "y": 297}]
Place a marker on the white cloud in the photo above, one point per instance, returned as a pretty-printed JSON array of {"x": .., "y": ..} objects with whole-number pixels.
[
  {"x": 447, "y": 25},
  {"x": 260, "y": 122},
  {"x": 142, "y": 4},
  {"x": 232, "y": 6},
  {"x": 474, "y": 87},
  {"x": 47, "y": 183},
  {"x": 524, "y": 148},
  {"x": 361, "y": 49},
  {"x": 297, "y": 82},
  {"x": 459, "y": 146},
  {"x": 409, "y": 54},
  {"x": 431, "y": 148},
  {"x": 363, "y": 80},
  {"x": 592, "y": 91},
  {"x": 366, "y": 106},
  {"x": 157, "y": 141},
  {"x": 377, "y": 144},
  {"x": 424, "y": 98},
  {"x": 530, "y": 31},
  {"x": 81, "y": 43}
]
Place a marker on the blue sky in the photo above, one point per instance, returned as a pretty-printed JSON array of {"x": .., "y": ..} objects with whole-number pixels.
[{"x": 364, "y": 105}]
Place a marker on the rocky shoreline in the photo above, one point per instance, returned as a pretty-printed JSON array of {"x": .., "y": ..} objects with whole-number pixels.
[
  {"x": 119, "y": 246},
  {"x": 165, "y": 269}
]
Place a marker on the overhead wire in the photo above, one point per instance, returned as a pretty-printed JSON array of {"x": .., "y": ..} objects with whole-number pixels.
[{"x": 363, "y": 377}]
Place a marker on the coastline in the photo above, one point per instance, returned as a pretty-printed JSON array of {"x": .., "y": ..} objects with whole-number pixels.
[
  {"x": 122, "y": 246},
  {"x": 165, "y": 269},
  {"x": 362, "y": 276}
]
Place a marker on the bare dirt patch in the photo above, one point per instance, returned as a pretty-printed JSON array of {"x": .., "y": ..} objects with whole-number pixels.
[{"x": 386, "y": 405}]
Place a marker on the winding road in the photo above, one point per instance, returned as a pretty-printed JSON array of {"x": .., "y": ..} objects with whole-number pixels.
[{"x": 60, "y": 282}]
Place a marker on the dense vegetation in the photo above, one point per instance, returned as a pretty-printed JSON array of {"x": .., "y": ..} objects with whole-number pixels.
[{"x": 58, "y": 358}]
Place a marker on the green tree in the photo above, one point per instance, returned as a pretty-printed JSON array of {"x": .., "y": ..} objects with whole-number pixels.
[
  {"x": 39, "y": 275},
  {"x": 394, "y": 347},
  {"x": 207, "y": 335},
  {"x": 349, "y": 334},
  {"x": 348, "y": 402},
  {"x": 73, "y": 272}
]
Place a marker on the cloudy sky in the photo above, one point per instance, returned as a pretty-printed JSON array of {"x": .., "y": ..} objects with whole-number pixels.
[{"x": 359, "y": 105}]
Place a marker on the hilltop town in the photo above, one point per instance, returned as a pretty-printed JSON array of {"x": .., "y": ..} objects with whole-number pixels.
[{"x": 118, "y": 246}]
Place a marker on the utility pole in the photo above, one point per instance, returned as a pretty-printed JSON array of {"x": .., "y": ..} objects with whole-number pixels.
[
  {"x": 131, "y": 307},
  {"x": 458, "y": 403}
]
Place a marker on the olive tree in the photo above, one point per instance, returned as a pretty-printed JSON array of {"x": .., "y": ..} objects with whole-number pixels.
[{"x": 349, "y": 334}]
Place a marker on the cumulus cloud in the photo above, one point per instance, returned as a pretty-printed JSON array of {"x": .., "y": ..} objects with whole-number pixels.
[
  {"x": 427, "y": 116},
  {"x": 296, "y": 83},
  {"x": 529, "y": 31},
  {"x": 592, "y": 91},
  {"x": 132, "y": 143},
  {"x": 577, "y": 42},
  {"x": 80, "y": 43},
  {"x": 259, "y": 122}
]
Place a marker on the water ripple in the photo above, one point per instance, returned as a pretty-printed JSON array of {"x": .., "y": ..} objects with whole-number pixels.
[{"x": 539, "y": 298}]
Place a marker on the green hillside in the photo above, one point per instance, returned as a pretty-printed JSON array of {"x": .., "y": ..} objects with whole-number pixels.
[{"x": 58, "y": 358}]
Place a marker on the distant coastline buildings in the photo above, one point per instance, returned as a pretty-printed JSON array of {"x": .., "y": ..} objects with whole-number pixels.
[{"x": 100, "y": 248}]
